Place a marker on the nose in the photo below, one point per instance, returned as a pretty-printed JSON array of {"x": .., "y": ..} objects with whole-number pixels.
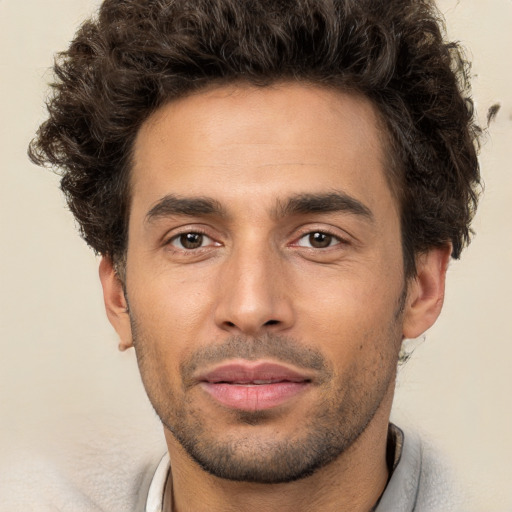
[{"x": 254, "y": 297}]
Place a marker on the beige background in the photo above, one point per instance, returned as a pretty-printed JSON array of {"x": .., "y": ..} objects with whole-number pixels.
[{"x": 61, "y": 376}]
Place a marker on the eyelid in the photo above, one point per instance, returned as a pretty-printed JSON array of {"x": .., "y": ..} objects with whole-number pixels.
[
  {"x": 342, "y": 237},
  {"x": 334, "y": 238},
  {"x": 176, "y": 238},
  {"x": 176, "y": 233}
]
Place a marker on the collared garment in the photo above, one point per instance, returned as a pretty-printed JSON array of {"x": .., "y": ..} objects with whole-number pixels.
[{"x": 418, "y": 482}]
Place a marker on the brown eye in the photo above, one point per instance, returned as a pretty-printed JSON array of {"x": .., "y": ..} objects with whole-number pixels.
[
  {"x": 318, "y": 240},
  {"x": 190, "y": 241}
]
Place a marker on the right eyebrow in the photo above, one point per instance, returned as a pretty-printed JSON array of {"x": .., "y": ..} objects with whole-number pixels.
[{"x": 188, "y": 206}]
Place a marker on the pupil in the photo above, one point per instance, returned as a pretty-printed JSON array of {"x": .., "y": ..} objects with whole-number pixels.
[
  {"x": 320, "y": 240},
  {"x": 191, "y": 240}
]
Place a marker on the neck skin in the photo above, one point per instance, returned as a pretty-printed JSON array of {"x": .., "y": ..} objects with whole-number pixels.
[{"x": 354, "y": 481}]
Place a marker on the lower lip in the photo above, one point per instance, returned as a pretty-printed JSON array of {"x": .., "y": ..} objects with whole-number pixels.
[{"x": 254, "y": 398}]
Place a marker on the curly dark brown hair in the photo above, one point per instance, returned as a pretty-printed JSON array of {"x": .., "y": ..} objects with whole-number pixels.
[{"x": 137, "y": 55}]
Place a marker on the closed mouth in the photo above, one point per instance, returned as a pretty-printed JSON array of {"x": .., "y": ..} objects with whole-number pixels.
[{"x": 249, "y": 385}]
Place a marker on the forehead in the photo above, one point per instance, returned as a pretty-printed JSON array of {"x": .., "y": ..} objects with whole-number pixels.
[{"x": 261, "y": 142}]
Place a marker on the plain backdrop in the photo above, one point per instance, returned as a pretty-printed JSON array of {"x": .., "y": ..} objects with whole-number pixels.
[{"x": 61, "y": 376}]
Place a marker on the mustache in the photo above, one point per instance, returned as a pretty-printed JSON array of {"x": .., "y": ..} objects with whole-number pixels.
[{"x": 284, "y": 349}]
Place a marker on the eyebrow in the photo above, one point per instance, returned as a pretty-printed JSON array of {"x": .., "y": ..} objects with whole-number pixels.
[
  {"x": 174, "y": 205},
  {"x": 300, "y": 204},
  {"x": 323, "y": 203}
]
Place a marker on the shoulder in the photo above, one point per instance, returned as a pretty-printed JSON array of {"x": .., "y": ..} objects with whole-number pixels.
[
  {"x": 422, "y": 481},
  {"x": 88, "y": 476}
]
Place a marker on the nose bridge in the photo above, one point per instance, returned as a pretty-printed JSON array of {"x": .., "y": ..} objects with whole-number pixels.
[{"x": 253, "y": 297}]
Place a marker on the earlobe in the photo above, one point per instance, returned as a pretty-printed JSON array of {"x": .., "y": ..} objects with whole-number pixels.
[
  {"x": 115, "y": 302},
  {"x": 426, "y": 291}
]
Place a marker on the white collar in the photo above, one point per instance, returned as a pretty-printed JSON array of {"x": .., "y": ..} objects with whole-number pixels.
[{"x": 155, "y": 500}]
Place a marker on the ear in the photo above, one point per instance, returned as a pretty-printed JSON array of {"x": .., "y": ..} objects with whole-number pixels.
[
  {"x": 115, "y": 302},
  {"x": 425, "y": 294}
]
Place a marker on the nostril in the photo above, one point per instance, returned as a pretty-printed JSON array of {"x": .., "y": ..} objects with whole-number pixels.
[{"x": 249, "y": 328}]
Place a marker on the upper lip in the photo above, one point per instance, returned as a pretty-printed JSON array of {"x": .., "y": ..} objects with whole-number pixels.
[{"x": 250, "y": 372}]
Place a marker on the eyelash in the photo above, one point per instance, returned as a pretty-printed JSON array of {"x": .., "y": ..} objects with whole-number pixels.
[
  {"x": 331, "y": 236},
  {"x": 310, "y": 233},
  {"x": 178, "y": 236}
]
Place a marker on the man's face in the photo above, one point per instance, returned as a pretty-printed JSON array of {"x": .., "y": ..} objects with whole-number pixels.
[{"x": 264, "y": 276}]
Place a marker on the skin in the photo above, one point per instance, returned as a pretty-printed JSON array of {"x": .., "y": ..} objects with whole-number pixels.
[{"x": 258, "y": 274}]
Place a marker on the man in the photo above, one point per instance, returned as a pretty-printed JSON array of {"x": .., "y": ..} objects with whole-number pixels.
[{"x": 276, "y": 189}]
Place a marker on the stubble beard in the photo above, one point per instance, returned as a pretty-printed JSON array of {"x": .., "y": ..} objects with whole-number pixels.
[{"x": 329, "y": 430}]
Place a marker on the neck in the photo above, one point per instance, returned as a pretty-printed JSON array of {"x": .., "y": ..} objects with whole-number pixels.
[{"x": 354, "y": 481}]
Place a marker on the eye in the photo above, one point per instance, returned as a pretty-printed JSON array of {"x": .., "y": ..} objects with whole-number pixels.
[
  {"x": 318, "y": 240},
  {"x": 190, "y": 241}
]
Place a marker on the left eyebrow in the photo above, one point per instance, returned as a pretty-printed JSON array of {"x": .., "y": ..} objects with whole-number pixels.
[
  {"x": 188, "y": 206},
  {"x": 323, "y": 203}
]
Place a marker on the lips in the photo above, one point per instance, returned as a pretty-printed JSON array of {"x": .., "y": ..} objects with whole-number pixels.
[{"x": 253, "y": 386}]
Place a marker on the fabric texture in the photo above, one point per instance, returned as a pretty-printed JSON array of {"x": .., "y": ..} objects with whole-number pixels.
[
  {"x": 105, "y": 476},
  {"x": 87, "y": 466},
  {"x": 420, "y": 482}
]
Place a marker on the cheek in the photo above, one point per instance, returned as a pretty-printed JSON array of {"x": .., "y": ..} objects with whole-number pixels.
[
  {"x": 347, "y": 298},
  {"x": 349, "y": 313},
  {"x": 167, "y": 299},
  {"x": 172, "y": 314}
]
